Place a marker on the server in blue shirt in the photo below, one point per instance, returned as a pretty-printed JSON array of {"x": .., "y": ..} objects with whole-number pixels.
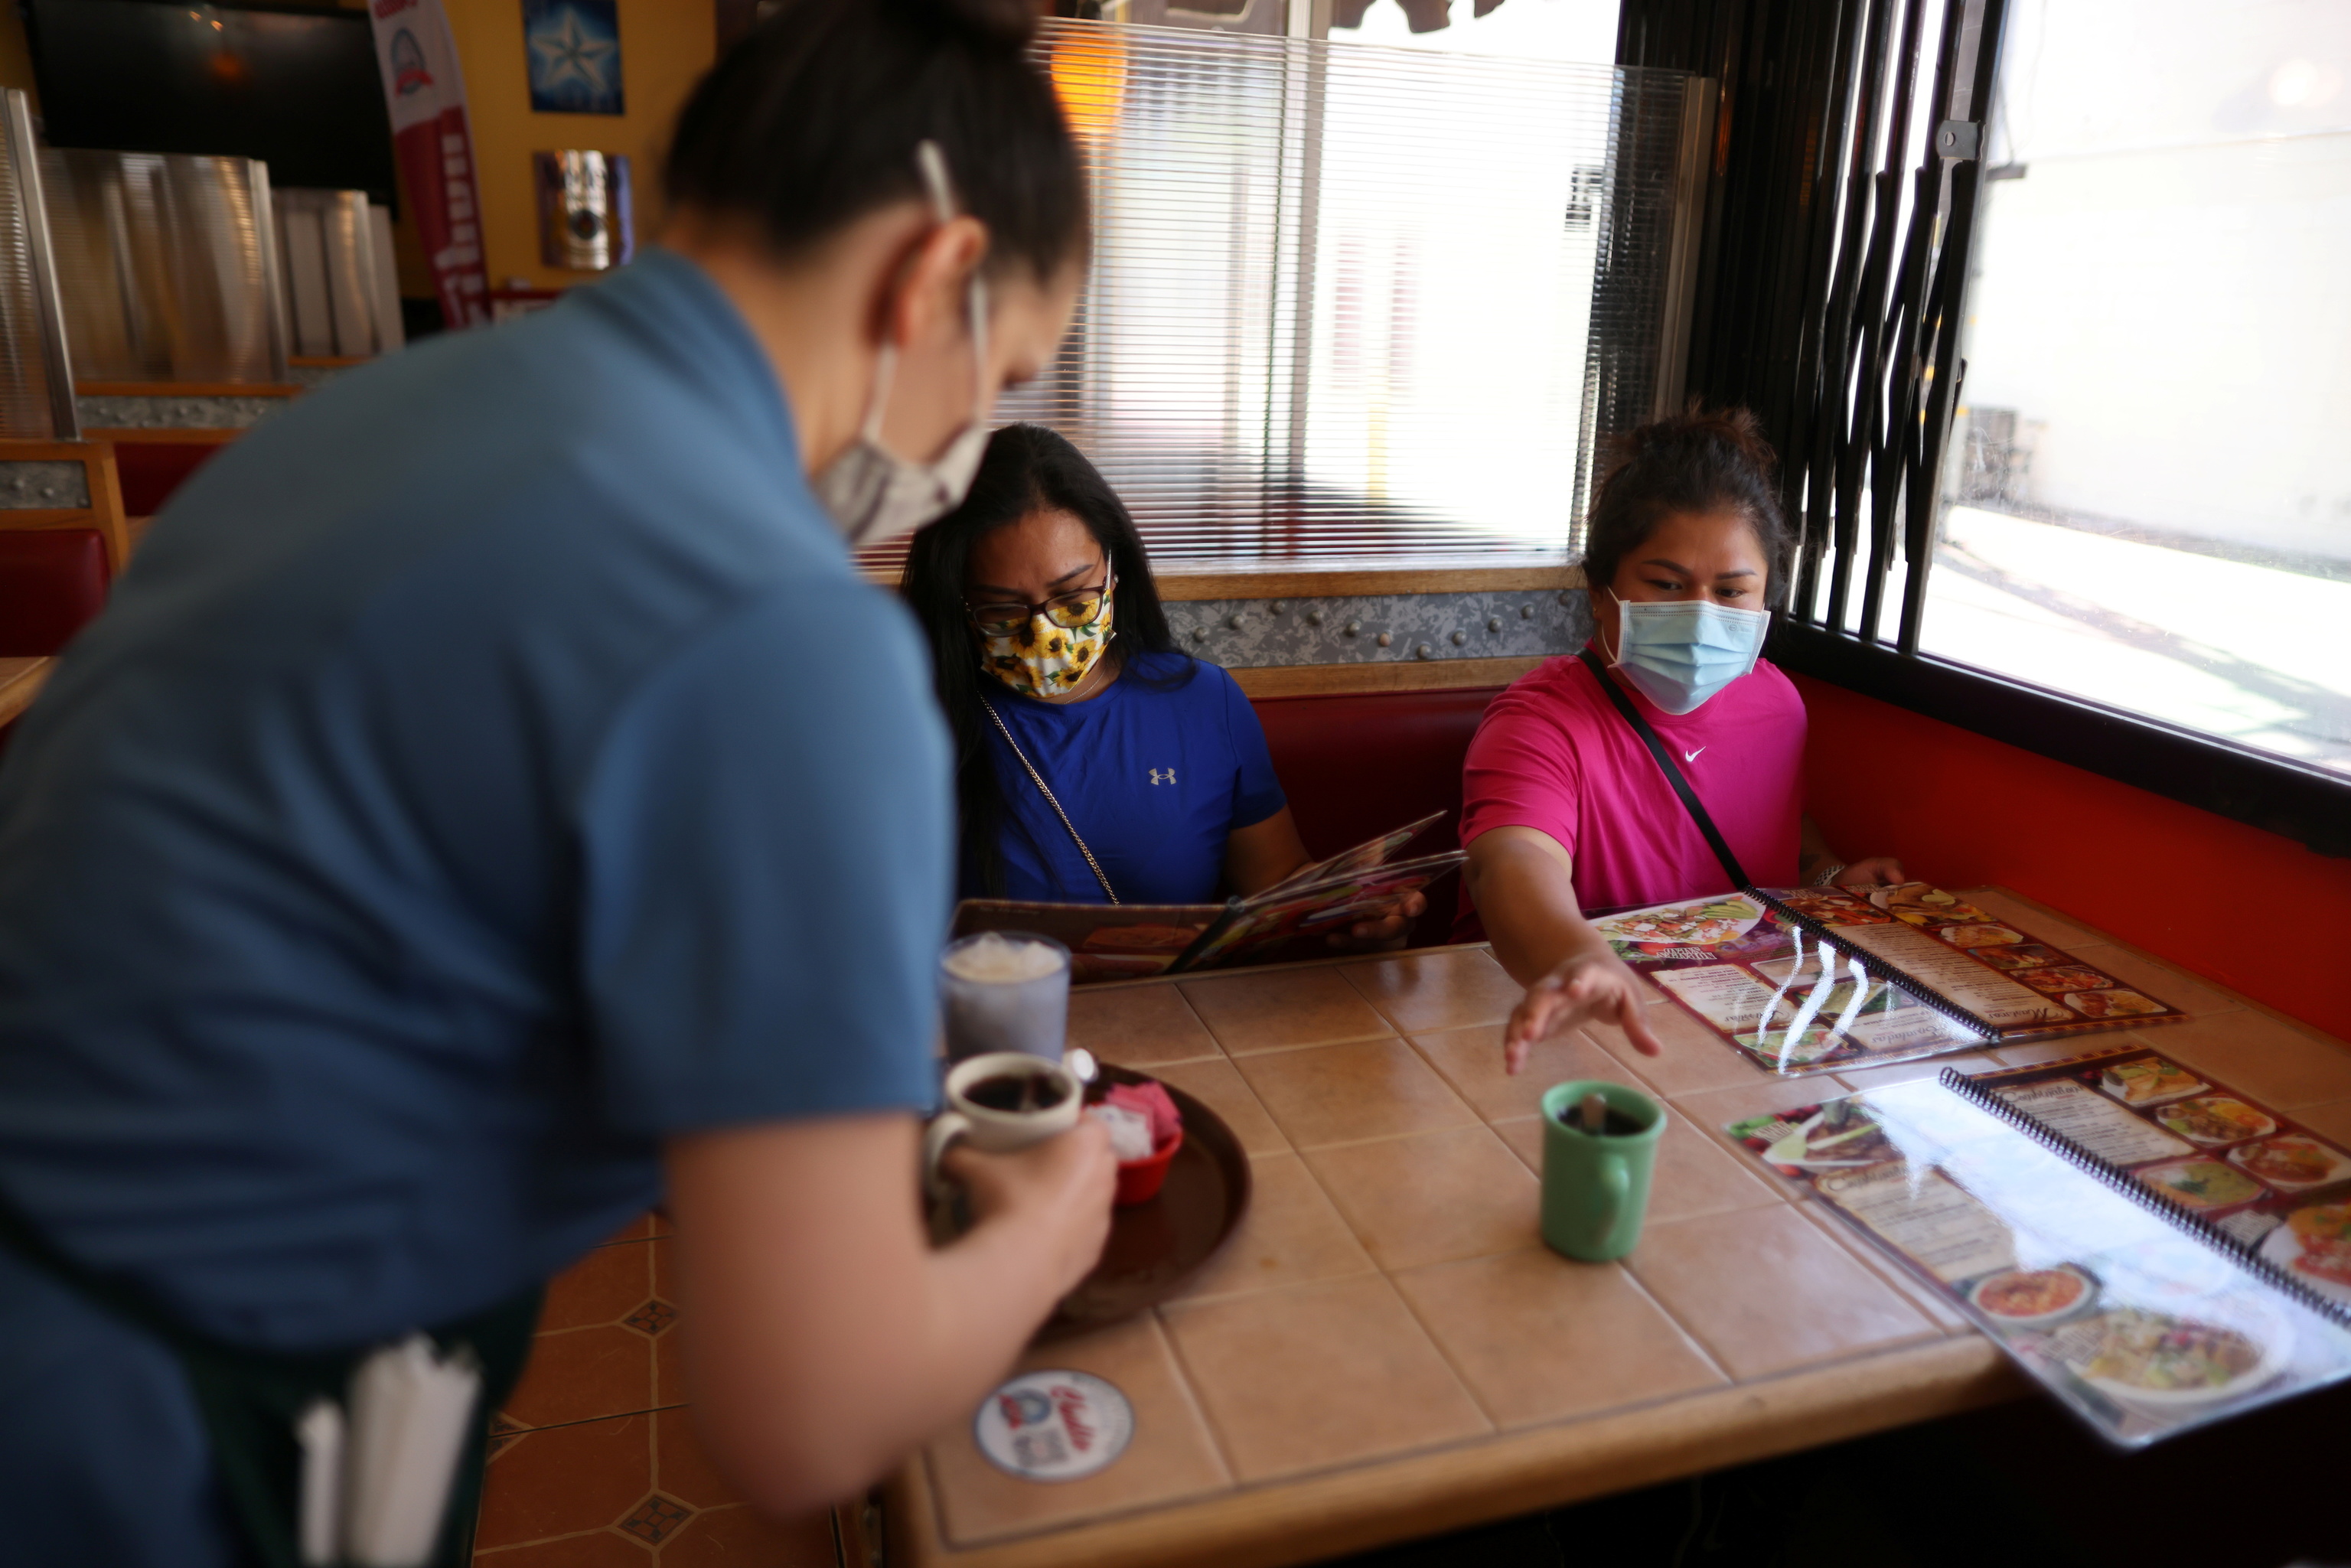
[
  {"x": 1095, "y": 761},
  {"x": 492, "y": 803}
]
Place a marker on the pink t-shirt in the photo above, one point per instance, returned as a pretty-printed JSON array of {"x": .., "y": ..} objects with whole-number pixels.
[{"x": 1553, "y": 753}]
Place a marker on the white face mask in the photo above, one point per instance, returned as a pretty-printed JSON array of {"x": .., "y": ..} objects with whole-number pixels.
[
  {"x": 1678, "y": 652},
  {"x": 875, "y": 495}
]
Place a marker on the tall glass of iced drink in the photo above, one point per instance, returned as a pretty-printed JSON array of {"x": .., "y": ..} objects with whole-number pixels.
[{"x": 1005, "y": 990}]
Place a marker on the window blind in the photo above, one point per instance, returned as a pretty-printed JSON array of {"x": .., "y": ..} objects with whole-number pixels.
[{"x": 1354, "y": 304}]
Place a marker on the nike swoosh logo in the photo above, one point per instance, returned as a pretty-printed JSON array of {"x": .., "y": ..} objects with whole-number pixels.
[{"x": 1691, "y": 756}]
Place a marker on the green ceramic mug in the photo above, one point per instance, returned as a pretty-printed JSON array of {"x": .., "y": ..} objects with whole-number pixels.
[{"x": 1596, "y": 1188}]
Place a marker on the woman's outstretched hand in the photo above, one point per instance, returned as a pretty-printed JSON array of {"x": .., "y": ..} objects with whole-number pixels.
[
  {"x": 1585, "y": 989},
  {"x": 1388, "y": 932}
]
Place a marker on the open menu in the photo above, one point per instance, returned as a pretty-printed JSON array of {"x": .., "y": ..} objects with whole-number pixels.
[
  {"x": 1126, "y": 941},
  {"x": 2157, "y": 1248},
  {"x": 1808, "y": 979}
]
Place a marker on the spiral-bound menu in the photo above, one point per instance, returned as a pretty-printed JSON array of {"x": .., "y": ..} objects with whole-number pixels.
[
  {"x": 1813, "y": 979},
  {"x": 2156, "y": 1248}
]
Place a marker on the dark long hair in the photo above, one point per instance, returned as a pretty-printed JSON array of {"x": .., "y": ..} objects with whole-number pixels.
[
  {"x": 1696, "y": 462},
  {"x": 1028, "y": 469},
  {"x": 812, "y": 122}
]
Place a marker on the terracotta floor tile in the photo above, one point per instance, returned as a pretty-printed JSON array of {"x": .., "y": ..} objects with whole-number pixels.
[
  {"x": 735, "y": 1537},
  {"x": 582, "y": 1374},
  {"x": 681, "y": 1469},
  {"x": 1318, "y": 1375},
  {"x": 2328, "y": 1121},
  {"x": 607, "y": 1285},
  {"x": 1763, "y": 1291},
  {"x": 1433, "y": 1197},
  {"x": 1695, "y": 1058},
  {"x": 669, "y": 1368},
  {"x": 636, "y": 1229},
  {"x": 2034, "y": 1052},
  {"x": 565, "y": 1480},
  {"x": 1927, "y": 1299},
  {"x": 1170, "y": 1457},
  {"x": 1471, "y": 1061},
  {"x": 1339, "y": 1094},
  {"x": 2252, "y": 1052},
  {"x": 1290, "y": 1236},
  {"x": 1439, "y": 990},
  {"x": 1218, "y": 1086},
  {"x": 1969, "y": 1062},
  {"x": 1138, "y": 1026},
  {"x": 1537, "y": 1337},
  {"x": 1285, "y": 1008},
  {"x": 2164, "y": 982},
  {"x": 2033, "y": 921},
  {"x": 599, "y": 1549}
]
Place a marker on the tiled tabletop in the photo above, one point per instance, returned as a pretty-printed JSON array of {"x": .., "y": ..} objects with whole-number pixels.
[{"x": 1386, "y": 1349}]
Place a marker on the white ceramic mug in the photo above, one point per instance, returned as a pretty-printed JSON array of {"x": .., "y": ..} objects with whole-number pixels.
[{"x": 995, "y": 1132}]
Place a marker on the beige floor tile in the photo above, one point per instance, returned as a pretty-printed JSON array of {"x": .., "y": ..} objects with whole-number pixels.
[
  {"x": 1927, "y": 1299},
  {"x": 2328, "y": 1121},
  {"x": 1170, "y": 1458},
  {"x": 1218, "y": 1086},
  {"x": 2034, "y": 1052},
  {"x": 1471, "y": 1061},
  {"x": 1431, "y": 1197},
  {"x": 1763, "y": 1291},
  {"x": 1318, "y": 1375},
  {"x": 1281, "y": 1010},
  {"x": 1538, "y": 1338},
  {"x": 1437, "y": 990},
  {"x": 2162, "y": 981},
  {"x": 1138, "y": 1026},
  {"x": 2040, "y": 923},
  {"x": 1340, "y": 1093},
  {"x": 1290, "y": 1236},
  {"x": 1694, "y": 1175},
  {"x": 2270, "y": 1060},
  {"x": 1695, "y": 1057},
  {"x": 1927, "y": 1067}
]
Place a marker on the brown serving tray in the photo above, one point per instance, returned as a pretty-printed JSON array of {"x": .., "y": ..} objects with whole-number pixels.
[{"x": 1155, "y": 1247}]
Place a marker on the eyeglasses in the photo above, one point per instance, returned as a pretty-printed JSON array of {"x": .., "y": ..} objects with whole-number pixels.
[{"x": 1068, "y": 610}]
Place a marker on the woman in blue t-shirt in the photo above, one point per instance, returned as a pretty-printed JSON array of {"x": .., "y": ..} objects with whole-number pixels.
[{"x": 1094, "y": 758}]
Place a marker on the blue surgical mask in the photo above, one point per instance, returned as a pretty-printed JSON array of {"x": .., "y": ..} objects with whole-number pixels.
[{"x": 1678, "y": 653}]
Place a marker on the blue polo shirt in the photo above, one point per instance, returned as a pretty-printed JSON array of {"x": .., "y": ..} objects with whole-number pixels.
[
  {"x": 1155, "y": 772},
  {"x": 489, "y": 769}
]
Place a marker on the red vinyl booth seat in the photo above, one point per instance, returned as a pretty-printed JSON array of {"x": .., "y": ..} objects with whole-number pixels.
[
  {"x": 52, "y": 580},
  {"x": 1358, "y": 765}
]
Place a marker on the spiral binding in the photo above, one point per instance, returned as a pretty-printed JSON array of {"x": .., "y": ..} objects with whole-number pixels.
[
  {"x": 1876, "y": 968},
  {"x": 2146, "y": 1198}
]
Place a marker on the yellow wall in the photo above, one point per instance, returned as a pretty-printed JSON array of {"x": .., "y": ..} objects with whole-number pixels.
[{"x": 665, "y": 46}]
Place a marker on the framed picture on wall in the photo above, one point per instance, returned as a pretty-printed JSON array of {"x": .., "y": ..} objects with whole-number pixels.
[{"x": 574, "y": 49}]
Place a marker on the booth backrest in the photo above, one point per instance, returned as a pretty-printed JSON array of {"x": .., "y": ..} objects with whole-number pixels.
[
  {"x": 52, "y": 580},
  {"x": 1358, "y": 765}
]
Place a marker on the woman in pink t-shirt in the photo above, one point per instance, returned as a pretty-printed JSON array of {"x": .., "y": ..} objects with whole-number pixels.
[{"x": 1566, "y": 808}]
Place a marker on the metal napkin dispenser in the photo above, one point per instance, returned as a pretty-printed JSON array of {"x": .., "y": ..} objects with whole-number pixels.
[{"x": 585, "y": 222}]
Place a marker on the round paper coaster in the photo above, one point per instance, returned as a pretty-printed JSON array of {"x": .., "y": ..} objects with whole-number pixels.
[{"x": 1053, "y": 1426}]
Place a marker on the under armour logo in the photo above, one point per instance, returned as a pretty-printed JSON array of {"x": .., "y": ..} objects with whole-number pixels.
[
  {"x": 1691, "y": 756},
  {"x": 1163, "y": 776}
]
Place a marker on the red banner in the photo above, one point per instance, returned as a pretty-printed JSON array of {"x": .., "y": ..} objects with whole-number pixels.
[{"x": 425, "y": 91}]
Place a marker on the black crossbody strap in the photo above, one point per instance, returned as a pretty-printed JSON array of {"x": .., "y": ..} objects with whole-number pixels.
[{"x": 1690, "y": 801}]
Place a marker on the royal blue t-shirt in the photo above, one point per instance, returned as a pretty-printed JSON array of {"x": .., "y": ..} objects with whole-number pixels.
[
  {"x": 1155, "y": 773},
  {"x": 452, "y": 804}
]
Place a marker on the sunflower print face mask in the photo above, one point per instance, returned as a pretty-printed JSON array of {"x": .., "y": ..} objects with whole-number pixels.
[{"x": 1042, "y": 660}]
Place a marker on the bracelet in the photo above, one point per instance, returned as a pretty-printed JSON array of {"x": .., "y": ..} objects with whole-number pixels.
[{"x": 1828, "y": 875}]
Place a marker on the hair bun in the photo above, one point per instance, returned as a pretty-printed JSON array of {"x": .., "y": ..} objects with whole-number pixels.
[{"x": 1010, "y": 23}]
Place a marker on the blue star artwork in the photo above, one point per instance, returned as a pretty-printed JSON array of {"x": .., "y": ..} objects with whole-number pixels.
[{"x": 575, "y": 56}]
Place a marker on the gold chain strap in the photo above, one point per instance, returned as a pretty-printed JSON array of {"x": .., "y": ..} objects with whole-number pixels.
[{"x": 1038, "y": 779}]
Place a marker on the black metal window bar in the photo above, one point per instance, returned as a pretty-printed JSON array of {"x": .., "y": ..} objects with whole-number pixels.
[{"x": 1830, "y": 288}]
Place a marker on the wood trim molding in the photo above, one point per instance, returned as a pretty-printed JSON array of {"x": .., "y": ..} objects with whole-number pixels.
[
  {"x": 188, "y": 389},
  {"x": 1417, "y": 676},
  {"x": 104, "y": 512},
  {"x": 169, "y": 435},
  {"x": 1191, "y": 583},
  {"x": 21, "y": 681}
]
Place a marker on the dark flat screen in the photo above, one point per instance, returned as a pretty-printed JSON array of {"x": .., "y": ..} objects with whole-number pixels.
[{"x": 298, "y": 89}]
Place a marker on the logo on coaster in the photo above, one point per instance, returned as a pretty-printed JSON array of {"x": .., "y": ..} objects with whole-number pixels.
[{"x": 1053, "y": 1426}]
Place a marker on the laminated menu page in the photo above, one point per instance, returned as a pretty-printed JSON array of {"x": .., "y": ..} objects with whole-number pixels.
[
  {"x": 1814, "y": 979},
  {"x": 1127, "y": 941},
  {"x": 2158, "y": 1250}
]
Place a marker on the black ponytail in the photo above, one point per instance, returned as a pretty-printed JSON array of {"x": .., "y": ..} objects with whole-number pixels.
[{"x": 812, "y": 121}]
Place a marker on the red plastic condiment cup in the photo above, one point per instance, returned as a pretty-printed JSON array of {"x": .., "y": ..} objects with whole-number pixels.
[{"x": 1139, "y": 1181}]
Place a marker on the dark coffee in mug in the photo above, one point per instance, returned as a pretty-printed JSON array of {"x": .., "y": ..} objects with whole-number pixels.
[
  {"x": 1615, "y": 1124},
  {"x": 1016, "y": 1093}
]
